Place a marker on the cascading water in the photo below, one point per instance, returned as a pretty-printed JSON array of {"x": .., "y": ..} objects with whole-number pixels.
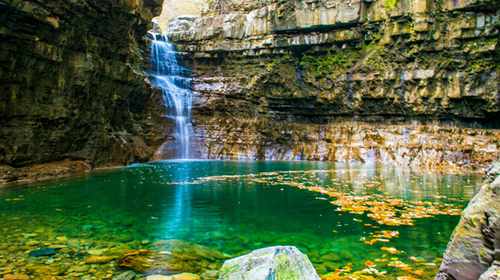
[{"x": 175, "y": 83}]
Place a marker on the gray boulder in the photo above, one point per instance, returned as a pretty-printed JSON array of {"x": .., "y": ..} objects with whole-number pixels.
[
  {"x": 272, "y": 263},
  {"x": 475, "y": 243}
]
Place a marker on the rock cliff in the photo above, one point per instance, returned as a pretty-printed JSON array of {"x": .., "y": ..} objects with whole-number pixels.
[
  {"x": 72, "y": 85},
  {"x": 385, "y": 80}
]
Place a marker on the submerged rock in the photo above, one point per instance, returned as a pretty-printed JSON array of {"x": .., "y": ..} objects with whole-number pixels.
[
  {"x": 334, "y": 257},
  {"x": 137, "y": 261},
  {"x": 182, "y": 276},
  {"x": 47, "y": 270},
  {"x": 98, "y": 259},
  {"x": 475, "y": 242},
  {"x": 16, "y": 277},
  {"x": 43, "y": 252},
  {"x": 279, "y": 262},
  {"x": 125, "y": 276},
  {"x": 96, "y": 252}
]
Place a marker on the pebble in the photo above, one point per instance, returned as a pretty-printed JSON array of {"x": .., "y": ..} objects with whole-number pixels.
[
  {"x": 96, "y": 252},
  {"x": 210, "y": 274},
  {"x": 62, "y": 239},
  {"x": 12, "y": 248},
  {"x": 98, "y": 259},
  {"x": 57, "y": 246},
  {"x": 182, "y": 276},
  {"x": 32, "y": 243},
  {"x": 73, "y": 243},
  {"x": 43, "y": 252},
  {"x": 165, "y": 253},
  {"x": 74, "y": 274},
  {"x": 83, "y": 268},
  {"x": 16, "y": 277},
  {"x": 89, "y": 243},
  {"x": 124, "y": 276},
  {"x": 6, "y": 268}
]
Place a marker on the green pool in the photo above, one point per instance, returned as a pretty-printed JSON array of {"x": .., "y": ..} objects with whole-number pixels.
[{"x": 374, "y": 221}]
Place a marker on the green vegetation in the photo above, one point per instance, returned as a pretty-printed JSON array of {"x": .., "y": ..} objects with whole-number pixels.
[
  {"x": 411, "y": 27},
  {"x": 389, "y": 4},
  {"x": 271, "y": 65},
  {"x": 478, "y": 66},
  {"x": 325, "y": 64}
]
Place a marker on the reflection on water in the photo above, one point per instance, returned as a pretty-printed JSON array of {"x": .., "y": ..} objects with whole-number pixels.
[{"x": 236, "y": 207}]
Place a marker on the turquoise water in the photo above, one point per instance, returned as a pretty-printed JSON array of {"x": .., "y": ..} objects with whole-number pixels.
[{"x": 229, "y": 208}]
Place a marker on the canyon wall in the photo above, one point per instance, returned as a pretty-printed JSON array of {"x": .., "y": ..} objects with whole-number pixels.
[
  {"x": 72, "y": 86},
  {"x": 411, "y": 81}
]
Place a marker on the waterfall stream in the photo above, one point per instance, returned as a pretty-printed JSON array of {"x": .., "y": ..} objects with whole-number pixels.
[{"x": 175, "y": 83}]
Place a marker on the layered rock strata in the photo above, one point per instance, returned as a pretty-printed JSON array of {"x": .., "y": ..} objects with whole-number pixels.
[
  {"x": 432, "y": 145},
  {"x": 267, "y": 72},
  {"x": 72, "y": 84}
]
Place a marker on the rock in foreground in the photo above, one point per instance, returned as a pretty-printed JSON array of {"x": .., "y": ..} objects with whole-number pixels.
[
  {"x": 475, "y": 243},
  {"x": 182, "y": 276},
  {"x": 272, "y": 263}
]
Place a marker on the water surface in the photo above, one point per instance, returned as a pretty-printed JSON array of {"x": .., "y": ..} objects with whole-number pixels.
[{"x": 233, "y": 207}]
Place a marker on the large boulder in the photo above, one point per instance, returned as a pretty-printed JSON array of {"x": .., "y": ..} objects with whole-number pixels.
[
  {"x": 475, "y": 244},
  {"x": 272, "y": 263}
]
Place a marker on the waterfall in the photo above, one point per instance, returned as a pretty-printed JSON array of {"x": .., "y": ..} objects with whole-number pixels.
[{"x": 176, "y": 86}]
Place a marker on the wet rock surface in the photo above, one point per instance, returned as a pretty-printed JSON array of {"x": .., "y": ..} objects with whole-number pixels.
[
  {"x": 419, "y": 143},
  {"x": 279, "y": 262},
  {"x": 73, "y": 86},
  {"x": 474, "y": 247}
]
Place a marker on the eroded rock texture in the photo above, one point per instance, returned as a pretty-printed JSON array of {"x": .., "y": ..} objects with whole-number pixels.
[
  {"x": 72, "y": 83},
  {"x": 355, "y": 74},
  {"x": 272, "y": 263},
  {"x": 474, "y": 249}
]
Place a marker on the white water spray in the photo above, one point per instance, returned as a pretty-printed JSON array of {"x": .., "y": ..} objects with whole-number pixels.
[{"x": 176, "y": 86}]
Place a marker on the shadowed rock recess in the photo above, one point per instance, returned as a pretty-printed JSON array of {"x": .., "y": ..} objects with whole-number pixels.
[
  {"x": 407, "y": 81},
  {"x": 72, "y": 86}
]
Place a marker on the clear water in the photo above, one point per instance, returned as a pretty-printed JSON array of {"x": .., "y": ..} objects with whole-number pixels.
[
  {"x": 176, "y": 87},
  {"x": 233, "y": 207}
]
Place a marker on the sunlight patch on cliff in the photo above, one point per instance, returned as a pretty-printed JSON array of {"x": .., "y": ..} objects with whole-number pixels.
[{"x": 174, "y": 8}]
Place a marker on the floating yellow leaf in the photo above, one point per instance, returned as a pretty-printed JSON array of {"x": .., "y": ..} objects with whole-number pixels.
[{"x": 370, "y": 264}]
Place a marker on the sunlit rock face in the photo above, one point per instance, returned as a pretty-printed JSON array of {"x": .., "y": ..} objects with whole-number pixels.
[
  {"x": 294, "y": 79},
  {"x": 72, "y": 85},
  {"x": 278, "y": 262},
  {"x": 431, "y": 145}
]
